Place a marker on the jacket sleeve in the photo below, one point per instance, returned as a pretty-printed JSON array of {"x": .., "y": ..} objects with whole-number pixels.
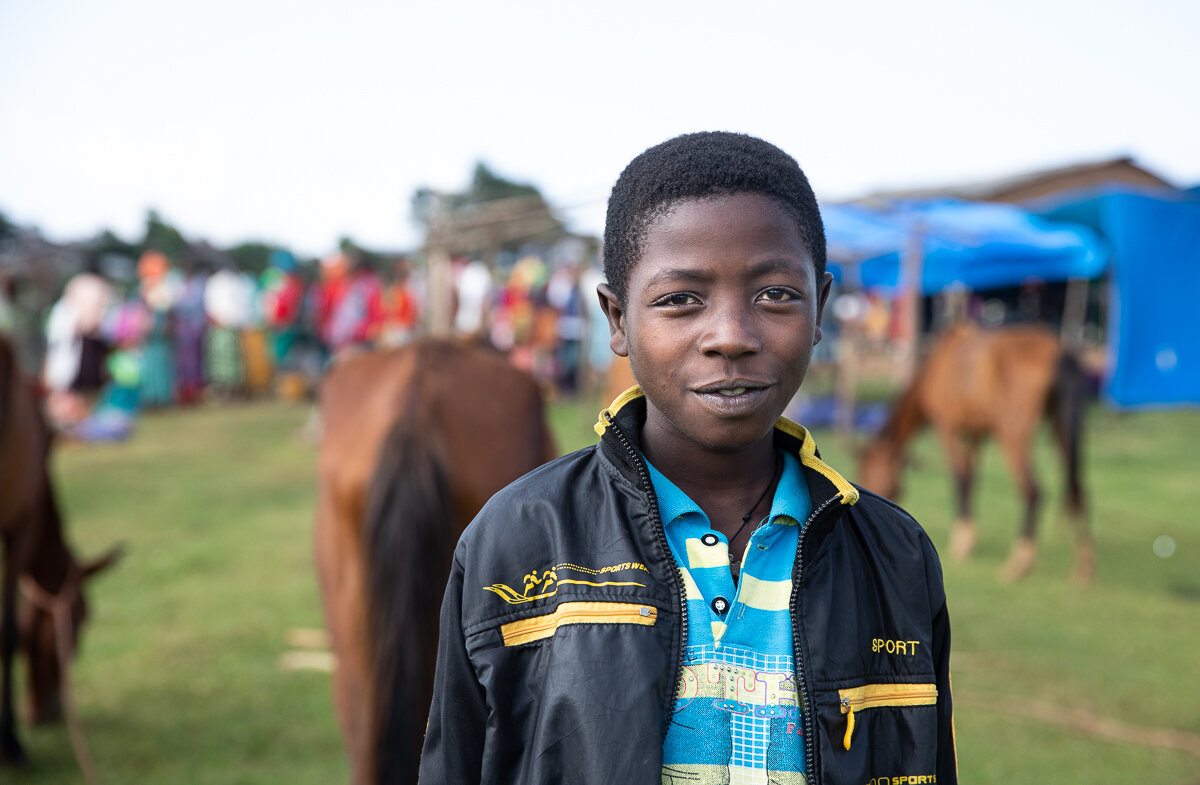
[
  {"x": 947, "y": 758},
  {"x": 454, "y": 740},
  {"x": 947, "y": 755}
]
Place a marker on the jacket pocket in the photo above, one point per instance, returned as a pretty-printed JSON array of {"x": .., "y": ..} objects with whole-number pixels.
[
  {"x": 536, "y": 628},
  {"x": 871, "y": 696}
]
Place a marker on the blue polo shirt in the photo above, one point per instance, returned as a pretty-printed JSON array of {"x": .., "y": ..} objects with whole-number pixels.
[{"x": 737, "y": 710}]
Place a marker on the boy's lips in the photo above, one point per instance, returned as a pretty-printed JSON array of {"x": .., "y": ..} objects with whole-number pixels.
[{"x": 734, "y": 397}]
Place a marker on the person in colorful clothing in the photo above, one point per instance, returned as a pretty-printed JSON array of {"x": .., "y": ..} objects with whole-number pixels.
[
  {"x": 472, "y": 291},
  {"x": 281, "y": 294},
  {"x": 699, "y": 598},
  {"x": 350, "y": 304},
  {"x": 229, "y": 305},
  {"x": 125, "y": 327},
  {"x": 191, "y": 324},
  {"x": 159, "y": 287},
  {"x": 91, "y": 295},
  {"x": 324, "y": 296},
  {"x": 566, "y": 297},
  {"x": 400, "y": 310}
]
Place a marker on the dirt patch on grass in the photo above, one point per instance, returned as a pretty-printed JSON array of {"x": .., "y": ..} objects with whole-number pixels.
[{"x": 1084, "y": 722}]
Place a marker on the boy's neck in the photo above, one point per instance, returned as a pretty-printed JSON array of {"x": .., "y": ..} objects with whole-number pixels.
[{"x": 724, "y": 484}]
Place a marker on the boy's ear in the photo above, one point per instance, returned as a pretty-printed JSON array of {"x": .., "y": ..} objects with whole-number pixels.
[
  {"x": 616, "y": 319},
  {"x": 823, "y": 287}
]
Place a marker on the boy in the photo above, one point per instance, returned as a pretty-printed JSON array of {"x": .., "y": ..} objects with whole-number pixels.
[{"x": 698, "y": 598}]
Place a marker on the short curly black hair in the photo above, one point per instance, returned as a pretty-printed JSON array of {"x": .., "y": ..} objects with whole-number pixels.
[{"x": 696, "y": 166}]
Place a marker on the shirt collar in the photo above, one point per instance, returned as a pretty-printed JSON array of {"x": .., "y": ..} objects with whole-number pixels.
[
  {"x": 672, "y": 502},
  {"x": 791, "y": 496}
]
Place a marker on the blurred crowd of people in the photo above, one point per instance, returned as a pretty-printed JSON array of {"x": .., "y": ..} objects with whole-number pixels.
[{"x": 178, "y": 335}]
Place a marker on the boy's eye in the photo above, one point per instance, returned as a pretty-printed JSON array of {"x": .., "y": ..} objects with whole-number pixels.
[
  {"x": 777, "y": 294},
  {"x": 677, "y": 299}
]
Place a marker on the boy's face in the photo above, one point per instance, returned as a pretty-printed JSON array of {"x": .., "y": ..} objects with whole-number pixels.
[{"x": 722, "y": 314}]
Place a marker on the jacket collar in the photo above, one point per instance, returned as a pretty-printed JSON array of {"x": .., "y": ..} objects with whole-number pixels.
[{"x": 628, "y": 414}]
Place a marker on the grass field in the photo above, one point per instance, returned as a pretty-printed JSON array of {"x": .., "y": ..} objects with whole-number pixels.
[{"x": 179, "y": 679}]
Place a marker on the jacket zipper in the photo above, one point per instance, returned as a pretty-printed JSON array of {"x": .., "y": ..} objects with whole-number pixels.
[
  {"x": 661, "y": 537},
  {"x": 810, "y": 722},
  {"x": 870, "y": 696}
]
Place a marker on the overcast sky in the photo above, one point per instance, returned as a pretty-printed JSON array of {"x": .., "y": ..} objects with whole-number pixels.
[{"x": 300, "y": 122}]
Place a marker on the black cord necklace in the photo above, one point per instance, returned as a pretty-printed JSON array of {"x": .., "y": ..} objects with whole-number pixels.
[{"x": 750, "y": 512}]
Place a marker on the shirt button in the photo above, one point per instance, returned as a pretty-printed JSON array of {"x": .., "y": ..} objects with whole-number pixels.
[
  {"x": 710, "y": 539},
  {"x": 720, "y": 605}
]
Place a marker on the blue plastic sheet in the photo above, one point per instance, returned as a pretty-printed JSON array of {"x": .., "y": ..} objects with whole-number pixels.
[{"x": 1154, "y": 327}]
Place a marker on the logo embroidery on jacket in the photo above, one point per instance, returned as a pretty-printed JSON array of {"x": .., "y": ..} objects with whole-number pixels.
[
  {"x": 880, "y": 646},
  {"x": 546, "y": 583}
]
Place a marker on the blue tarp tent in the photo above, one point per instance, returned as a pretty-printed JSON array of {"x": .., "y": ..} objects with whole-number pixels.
[
  {"x": 973, "y": 244},
  {"x": 855, "y": 234},
  {"x": 1154, "y": 328}
]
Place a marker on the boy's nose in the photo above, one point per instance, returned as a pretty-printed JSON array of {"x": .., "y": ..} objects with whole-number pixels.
[{"x": 731, "y": 332}]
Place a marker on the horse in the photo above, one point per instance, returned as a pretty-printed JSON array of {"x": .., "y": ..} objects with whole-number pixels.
[
  {"x": 414, "y": 441},
  {"x": 38, "y": 563},
  {"x": 976, "y": 383}
]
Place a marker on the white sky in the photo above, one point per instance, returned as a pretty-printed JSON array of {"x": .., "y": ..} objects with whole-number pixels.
[{"x": 299, "y": 122}]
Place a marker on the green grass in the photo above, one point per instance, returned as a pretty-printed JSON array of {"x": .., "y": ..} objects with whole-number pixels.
[
  {"x": 178, "y": 680},
  {"x": 1124, "y": 648}
]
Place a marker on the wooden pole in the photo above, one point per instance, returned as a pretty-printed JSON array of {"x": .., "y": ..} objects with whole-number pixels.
[
  {"x": 1074, "y": 312},
  {"x": 441, "y": 292},
  {"x": 910, "y": 301}
]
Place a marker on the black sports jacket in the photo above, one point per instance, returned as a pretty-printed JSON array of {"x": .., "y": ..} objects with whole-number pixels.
[{"x": 562, "y": 630}]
